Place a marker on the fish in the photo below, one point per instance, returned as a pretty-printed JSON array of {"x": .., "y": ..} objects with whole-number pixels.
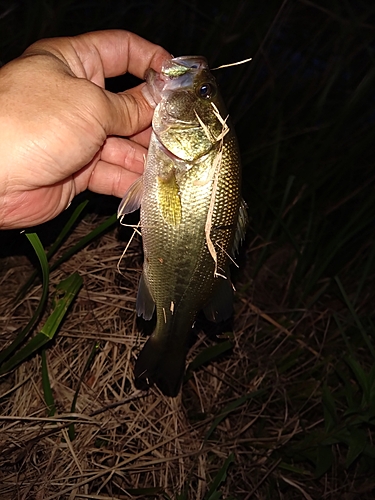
[{"x": 192, "y": 216}]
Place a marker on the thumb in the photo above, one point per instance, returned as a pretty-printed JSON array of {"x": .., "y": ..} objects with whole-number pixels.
[{"x": 128, "y": 112}]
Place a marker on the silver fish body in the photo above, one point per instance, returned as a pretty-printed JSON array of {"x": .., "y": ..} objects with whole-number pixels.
[{"x": 192, "y": 217}]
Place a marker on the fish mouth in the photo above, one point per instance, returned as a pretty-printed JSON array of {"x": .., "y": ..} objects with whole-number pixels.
[
  {"x": 177, "y": 76},
  {"x": 176, "y": 73},
  {"x": 181, "y": 65}
]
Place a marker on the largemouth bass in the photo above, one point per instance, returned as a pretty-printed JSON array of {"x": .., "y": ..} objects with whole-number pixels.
[{"x": 192, "y": 217}]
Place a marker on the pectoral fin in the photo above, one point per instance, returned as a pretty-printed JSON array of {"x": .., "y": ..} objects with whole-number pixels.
[
  {"x": 145, "y": 305},
  {"x": 220, "y": 306},
  {"x": 132, "y": 198},
  {"x": 169, "y": 200}
]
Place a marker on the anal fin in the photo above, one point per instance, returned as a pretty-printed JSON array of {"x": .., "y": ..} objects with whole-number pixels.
[{"x": 145, "y": 304}]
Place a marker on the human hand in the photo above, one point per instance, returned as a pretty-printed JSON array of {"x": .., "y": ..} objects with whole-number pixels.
[{"x": 61, "y": 132}]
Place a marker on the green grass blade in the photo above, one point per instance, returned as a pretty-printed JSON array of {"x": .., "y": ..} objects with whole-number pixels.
[
  {"x": 66, "y": 291},
  {"x": 93, "y": 353},
  {"x": 330, "y": 412},
  {"x": 104, "y": 226},
  {"x": 229, "y": 409},
  {"x": 361, "y": 378},
  {"x": 324, "y": 460},
  {"x": 55, "y": 246},
  {"x": 365, "y": 273},
  {"x": 278, "y": 222},
  {"x": 357, "y": 443},
  {"x": 208, "y": 355},
  {"x": 221, "y": 476},
  {"x": 47, "y": 391},
  {"x": 355, "y": 317},
  {"x": 39, "y": 250},
  {"x": 343, "y": 334},
  {"x": 66, "y": 229},
  {"x": 275, "y": 161},
  {"x": 30, "y": 348},
  {"x": 357, "y": 223},
  {"x": 294, "y": 469}
]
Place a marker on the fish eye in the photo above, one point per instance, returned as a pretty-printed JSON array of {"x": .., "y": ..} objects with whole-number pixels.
[{"x": 206, "y": 91}]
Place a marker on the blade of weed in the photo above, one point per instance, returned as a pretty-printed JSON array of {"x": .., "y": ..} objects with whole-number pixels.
[
  {"x": 354, "y": 225},
  {"x": 39, "y": 250},
  {"x": 220, "y": 477},
  {"x": 365, "y": 273},
  {"x": 355, "y": 317},
  {"x": 47, "y": 391},
  {"x": 358, "y": 442},
  {"x": 278, "y": 222},
  {"x": 90, "y": 359},
  {"x": 324, "y": 460},
  {"x": 55, "y": 246},
  {"x": 361, "y": 378},
  {"x": 330, "y": 412},
  {"x": 104, "y": 226},
  {"x": 66, "y": 291},
  {"x": 341, "y": 328},
  {"x": 207, "y": 355},
  {"x": 229, "y": 408}
]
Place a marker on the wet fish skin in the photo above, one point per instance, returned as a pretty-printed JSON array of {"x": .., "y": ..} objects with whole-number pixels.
[{"x": 190, "y": 205}]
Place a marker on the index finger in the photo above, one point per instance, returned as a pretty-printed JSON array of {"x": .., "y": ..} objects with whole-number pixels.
[{"x": 115, "y": 52}]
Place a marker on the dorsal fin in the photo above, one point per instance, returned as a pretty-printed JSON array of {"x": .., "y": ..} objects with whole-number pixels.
[{"x": 243, "y": 220}]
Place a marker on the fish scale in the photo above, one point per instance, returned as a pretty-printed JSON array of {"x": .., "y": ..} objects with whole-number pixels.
[
  {"x": 190, "y": 203},
  {"x": 170, "y": 266}
]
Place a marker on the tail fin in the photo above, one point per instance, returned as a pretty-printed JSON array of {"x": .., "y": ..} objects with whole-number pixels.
[{"x": 161, "y": 362}]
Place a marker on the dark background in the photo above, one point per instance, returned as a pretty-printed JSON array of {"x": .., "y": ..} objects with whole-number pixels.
[{"x": 304, "y": 112}]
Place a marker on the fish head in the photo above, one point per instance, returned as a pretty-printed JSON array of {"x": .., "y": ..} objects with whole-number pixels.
[{"x": 189, "y": 117}]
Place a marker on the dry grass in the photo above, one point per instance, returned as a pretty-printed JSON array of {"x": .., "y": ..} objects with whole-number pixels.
[{"x": 126, "y": 439}]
